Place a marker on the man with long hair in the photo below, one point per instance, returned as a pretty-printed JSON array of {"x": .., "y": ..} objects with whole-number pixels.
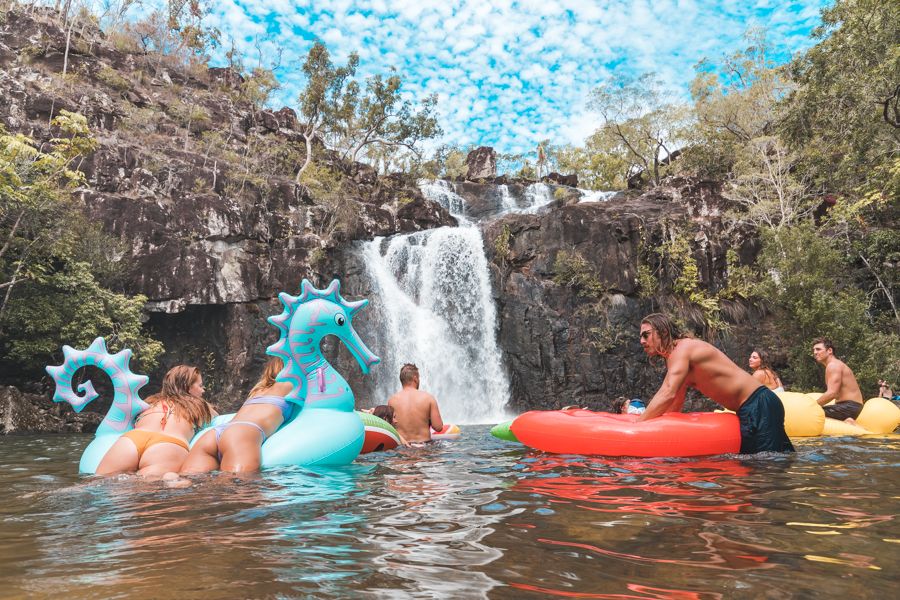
[{"x": 702, "y": 366}]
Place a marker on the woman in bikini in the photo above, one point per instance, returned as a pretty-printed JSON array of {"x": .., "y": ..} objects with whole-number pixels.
[
  {"x": 759, "y": 363},
  {"x": 159, "y": 441},
  {"x": 236, "y": 446}
]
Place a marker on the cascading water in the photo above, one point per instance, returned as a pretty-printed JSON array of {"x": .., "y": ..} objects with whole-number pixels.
[
  {"x": 432, "y": 298},
  {"x": 537, "y": 195},
  {"x": 596, "y": 195}
]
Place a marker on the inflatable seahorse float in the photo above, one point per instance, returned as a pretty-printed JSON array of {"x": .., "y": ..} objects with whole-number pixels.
[
  {"x": 324, "y": 429},
  {"x": 126, "y": 404}
]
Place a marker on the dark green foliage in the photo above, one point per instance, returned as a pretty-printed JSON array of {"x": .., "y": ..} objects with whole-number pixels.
[
  {"x": 812, "y": 295},
  {"x": 56, "y": 269}
]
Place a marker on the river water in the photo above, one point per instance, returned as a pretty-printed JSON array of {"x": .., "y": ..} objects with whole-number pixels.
[{"x": 475, "y": 518}]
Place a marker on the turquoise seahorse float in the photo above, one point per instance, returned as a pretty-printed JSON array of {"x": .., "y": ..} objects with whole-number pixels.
[
  {"x": 126, "y": 404},
  {"x": 324, "y": 429}
]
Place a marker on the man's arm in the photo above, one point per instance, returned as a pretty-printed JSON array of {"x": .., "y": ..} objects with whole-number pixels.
[
  {"x": 435, "y": 416},
  {"x": 673, "y": 386},
  {"x": 832, "y": 384}
]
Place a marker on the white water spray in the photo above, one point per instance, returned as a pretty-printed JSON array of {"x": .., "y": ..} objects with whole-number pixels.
[{"x": 433, "y": 305}]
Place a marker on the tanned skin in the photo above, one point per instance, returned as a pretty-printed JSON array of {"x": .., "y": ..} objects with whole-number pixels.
[
  {"x": 839, "y": 379},
  {"x": 764, "y": 376},
  {"x": 415, "y": 413},
  {"x": 694, "y": 363}
]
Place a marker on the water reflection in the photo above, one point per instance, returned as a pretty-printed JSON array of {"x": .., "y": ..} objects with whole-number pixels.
[{"x": 471, "y": 519}]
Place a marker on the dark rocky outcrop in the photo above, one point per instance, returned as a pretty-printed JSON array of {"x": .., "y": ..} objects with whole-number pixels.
[
  {"x": 559, "y": 179},
  {"x": 33, "y": 413},
  {"x": 198, "y": 187},
  {"x": 481, "y": 163}
]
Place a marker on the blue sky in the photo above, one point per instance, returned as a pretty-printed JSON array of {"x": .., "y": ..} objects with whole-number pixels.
[{"x": 509, "y": 73}]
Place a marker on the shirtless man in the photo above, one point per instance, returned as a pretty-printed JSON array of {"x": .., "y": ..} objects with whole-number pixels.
[
  {"x": 415, "y": 412},
  {"x": 840, "y": 383},
  {"x": 694, "y": 363}
]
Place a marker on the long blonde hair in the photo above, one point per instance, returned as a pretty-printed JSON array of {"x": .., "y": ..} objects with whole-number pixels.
[
  {"x": 273, "y": 367},
  {"x": 176, "y": 391}
]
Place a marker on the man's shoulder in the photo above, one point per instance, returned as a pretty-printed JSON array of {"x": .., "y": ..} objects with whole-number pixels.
[
  {"x": 836, "y": 364},
  {"x": 691, "y": 346}
]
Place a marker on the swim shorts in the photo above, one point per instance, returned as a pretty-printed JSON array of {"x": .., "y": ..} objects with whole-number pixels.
[
  {"x": 762, "y": 423},
  {"x": 845, "y": 409}
]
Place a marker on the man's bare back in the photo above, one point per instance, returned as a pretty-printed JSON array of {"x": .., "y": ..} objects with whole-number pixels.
[
  {"x": 415, "y": 413},
  {"x": 697, "y": 364}
]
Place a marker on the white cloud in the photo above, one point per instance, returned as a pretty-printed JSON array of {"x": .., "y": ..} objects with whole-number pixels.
[{"x": 510, "y": 71}]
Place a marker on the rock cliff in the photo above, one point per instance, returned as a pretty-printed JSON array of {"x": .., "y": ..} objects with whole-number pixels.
[{"x": 198, "y": 186}]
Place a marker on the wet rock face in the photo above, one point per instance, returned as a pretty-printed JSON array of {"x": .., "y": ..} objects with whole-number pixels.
[
  {"x": 564, "y": 346},
  {"x": 481, "y": 163}
]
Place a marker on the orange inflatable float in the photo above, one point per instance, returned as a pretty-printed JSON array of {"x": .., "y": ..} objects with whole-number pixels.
[{"x": 596, "y": 433}]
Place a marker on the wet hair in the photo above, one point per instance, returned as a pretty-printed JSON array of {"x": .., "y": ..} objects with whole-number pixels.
[
  {"x": 384, "y": 412},
  {"x": 408, "y": 372},
  {"x": 176, "y": 390},
  {"x": 764, "y": 364},
  {"x": 619, "y": 405},
  {"x": 666, "y": 328},
  {"x": 825, "y": 342},
  {"x": 273, "y": 367}
]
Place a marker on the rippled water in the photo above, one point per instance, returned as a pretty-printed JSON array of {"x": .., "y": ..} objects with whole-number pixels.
[{"x": 476, "y": 518}]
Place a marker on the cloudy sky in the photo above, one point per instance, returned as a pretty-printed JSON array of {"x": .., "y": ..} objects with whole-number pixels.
[{"x": 509, "y": 72}]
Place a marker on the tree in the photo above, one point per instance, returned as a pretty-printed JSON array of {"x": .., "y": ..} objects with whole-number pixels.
[
  {"x": 326, "y": 94},
  {"x": 602, "y": 164},
  {"x": 807, "y": 283},
  {"x": 766, "y": 185},
  {"x": 844, "y": 111},
  {"x": 638, "y": 113},
  {"x": 735, "y": 102},
  {"x": 54, "y": 272},
  {"x": 382, "y": 117}
]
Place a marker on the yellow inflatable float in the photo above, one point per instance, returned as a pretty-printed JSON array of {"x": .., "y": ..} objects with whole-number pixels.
[{"x": 803, "y": 417}]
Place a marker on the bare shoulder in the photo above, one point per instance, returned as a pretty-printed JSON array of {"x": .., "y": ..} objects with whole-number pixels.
[
  {"x": 690, "y": 348},
  {"x": 835, "y": 366}
]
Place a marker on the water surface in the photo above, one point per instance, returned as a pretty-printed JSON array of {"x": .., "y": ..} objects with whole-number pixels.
[{"x": 476, "y": 518}]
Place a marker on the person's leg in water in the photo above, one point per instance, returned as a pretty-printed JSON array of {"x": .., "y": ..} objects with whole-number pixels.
[
  {"x": 204, "y": 456},
  {"x": 122, "y": 457},
  {"x": 241, "y": 447}
]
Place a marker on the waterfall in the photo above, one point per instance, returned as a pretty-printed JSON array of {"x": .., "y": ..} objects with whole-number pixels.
[
  {"x": 537, "y": 196},
  {"x": 507, "y": 202},
  {"x": 442, "y": 192},
  {"x": 596, "y": 195},
  {"x": 431, "y": 300}
]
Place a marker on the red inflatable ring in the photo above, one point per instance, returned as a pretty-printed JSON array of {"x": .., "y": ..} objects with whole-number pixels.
[{"x": 596, "y": 433}]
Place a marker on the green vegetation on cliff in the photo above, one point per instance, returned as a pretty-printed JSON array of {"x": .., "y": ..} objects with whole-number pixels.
[{"x": 57, "y": 271}]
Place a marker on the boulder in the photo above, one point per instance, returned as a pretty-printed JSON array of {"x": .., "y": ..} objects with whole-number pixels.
[
  {"x": 557, "y": 178},
  {"x": 34, "y": 413},
  {"x": 481, "y": 163}
]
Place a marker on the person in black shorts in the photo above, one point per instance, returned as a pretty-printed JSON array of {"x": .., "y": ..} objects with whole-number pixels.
[{"x": 702, "y": 366}]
